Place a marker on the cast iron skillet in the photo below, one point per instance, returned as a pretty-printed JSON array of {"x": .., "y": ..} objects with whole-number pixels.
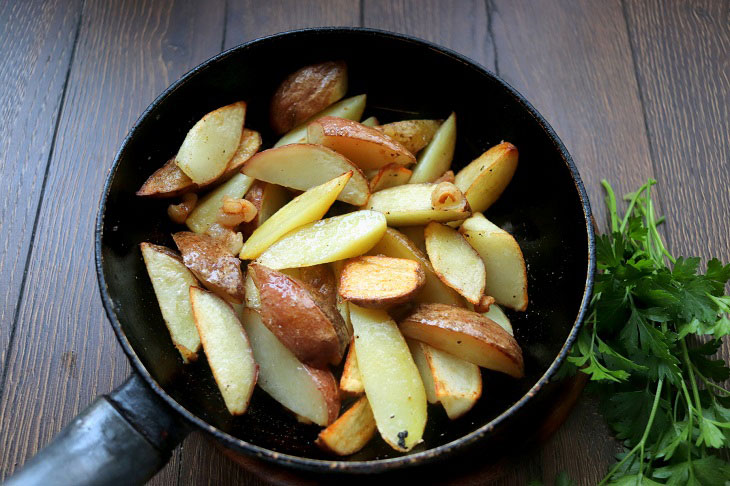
[{"x": 129, "y": 434}]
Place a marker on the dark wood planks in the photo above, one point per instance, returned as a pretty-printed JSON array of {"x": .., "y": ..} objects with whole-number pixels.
[
  {"x": 66, "y": 353},
  {"x": 36, "y": 40},
  {"x": 249, "y": 19},
  {"x": 460, "y": 25}
]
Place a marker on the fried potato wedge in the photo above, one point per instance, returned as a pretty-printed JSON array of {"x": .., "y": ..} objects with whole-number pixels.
[
  {"x": 212, "y": 263},
  {"x": 306, "y": 391},
  {"x": 466, "y": 335},
  {"x": 306, "y": 92},
  {"x": 370, "y": 122},
  {"x": 316, "y": 335},
  {"x": 227, "y": 348},
  {"x": 211, "y": 143},
  {"x": 486, "y": 177},
  {"x": 365, "y": 146},
  {"x": 327, "y": 240},
  {"x": 496, "y": 314},
  {"x": 506, "y": 279},
  {"x": 392, "y": 383},
  {"x": 412, "y": 134},
  {"x": 170, "y": 181},
  {"x": 411, "y": 205},
  {"x": 303, "y": 166},
  {"x": 350, "y": 108},
  {"x": 171, "y": 281},
  {"x": 351, "y": 381},
  {"x": 455, "y": 262},
  {"x": 303, "y": 209},
  {"x": 457, "y": 383},
  {"x": 380, "y": 282},
  {"x": 207, "y": 209},
  {"x": 437, "y": 156},
  {"x": 390, "y": 175},
  {"x": 395, "y": 244},
  {"x": 267, "y": 198},
  {"x": 351, "y": 431}
]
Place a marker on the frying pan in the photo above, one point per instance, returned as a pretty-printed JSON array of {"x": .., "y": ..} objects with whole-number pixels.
[{"x": 128, "y": 435}]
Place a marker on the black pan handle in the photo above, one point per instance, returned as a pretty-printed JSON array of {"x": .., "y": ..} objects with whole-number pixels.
[{"x": 124, "y": 437}]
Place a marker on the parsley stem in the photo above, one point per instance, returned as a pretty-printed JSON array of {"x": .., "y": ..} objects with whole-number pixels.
[
  {"x": 632, "y": 203},
  {"x": 611, "y": 203},
  {"x": 692, "y": 379}
]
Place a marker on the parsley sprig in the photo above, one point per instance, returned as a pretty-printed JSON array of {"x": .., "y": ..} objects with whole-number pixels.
[{"x": 655, "y": 323}]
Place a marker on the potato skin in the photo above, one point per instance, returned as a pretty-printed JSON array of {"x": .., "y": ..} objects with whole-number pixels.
[
  {"x": 380, "y": 282},
  {"x": 412, "y": 134},
  {"x": 212, "y": 263},
  {"x": 306, "y": 92},
  {"x": 327, "y": 384},
  {"x": 435, "y": 324},
  {"x": 293, "y": 315}
]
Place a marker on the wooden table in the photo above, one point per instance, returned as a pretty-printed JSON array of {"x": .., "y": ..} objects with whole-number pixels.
[{"x": 635, "y": 89}]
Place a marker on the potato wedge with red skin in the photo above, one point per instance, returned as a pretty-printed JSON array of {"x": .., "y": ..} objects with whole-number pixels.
[
  {"x": 303, "y": 166},
  {"x": 211, "y": 143},
  {"x": 308, "y": 392},
  {"x": 351, "y": 431},
  {"x": 226, "y": 347},
  {"x": 170, "y": 181},
  {"x": 365, "y": 146},
  {"x": 379, "y": 282},
  {"x": 351, "y": 381},
  {"x": 455, "y": 262},
  {"x": 466, "y": 335},
  {"x": 289, "y": 309},
  {"x": 412, "y": 134},
  {"x": 212, "y": 263},
  {"x": 390, "y": 175},
  {"x": 306, "y": 92}
]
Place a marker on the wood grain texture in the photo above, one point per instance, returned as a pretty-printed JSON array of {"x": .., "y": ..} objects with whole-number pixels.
[
  {"x": 36, "y": 40},
  {"x": 66, "y": 352},
  {"x": 249, "y": 19},
  {"x": 460, "y": 25}
]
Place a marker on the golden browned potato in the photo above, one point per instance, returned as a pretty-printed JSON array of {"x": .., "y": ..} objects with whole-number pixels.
[
  {"x": 380, "y": 282},
  {"x": 350, "y": 381},
  {"x": 350, "y": 108},
  {"x": 486, "y": 177},
  {"x": 351, "y": 431},
  {"x": 413, "y": 205},
  {"x": 455, "y": 262},
  {"x": 170, "y": 181},
  {"x": 304, "y": 166},
  {"x": 210, "y": 261},
  {"x": 306, "y": 92},
  {"x": 395, "y": 244},
  {"x": 171, "y": 280},
  {"x": 466, "y": 335},
  {"x": 390, "y": 175},
  {"x": 211, "y": 143},
  {"x": 226, "y": 347},
  {"x": 365, "y": 146},
  {"x": 412, "y": 134},
  {"x": 503, "y": 260},
  {"x": 289, "y": 309},
  {"x": 308, "y": 392}
]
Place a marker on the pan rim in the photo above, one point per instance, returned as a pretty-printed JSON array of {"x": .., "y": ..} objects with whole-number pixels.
[{"x": 320, "y": 465}]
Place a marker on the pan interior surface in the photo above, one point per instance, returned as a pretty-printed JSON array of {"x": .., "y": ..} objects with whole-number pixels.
[{"x": 542, "y": 207}]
